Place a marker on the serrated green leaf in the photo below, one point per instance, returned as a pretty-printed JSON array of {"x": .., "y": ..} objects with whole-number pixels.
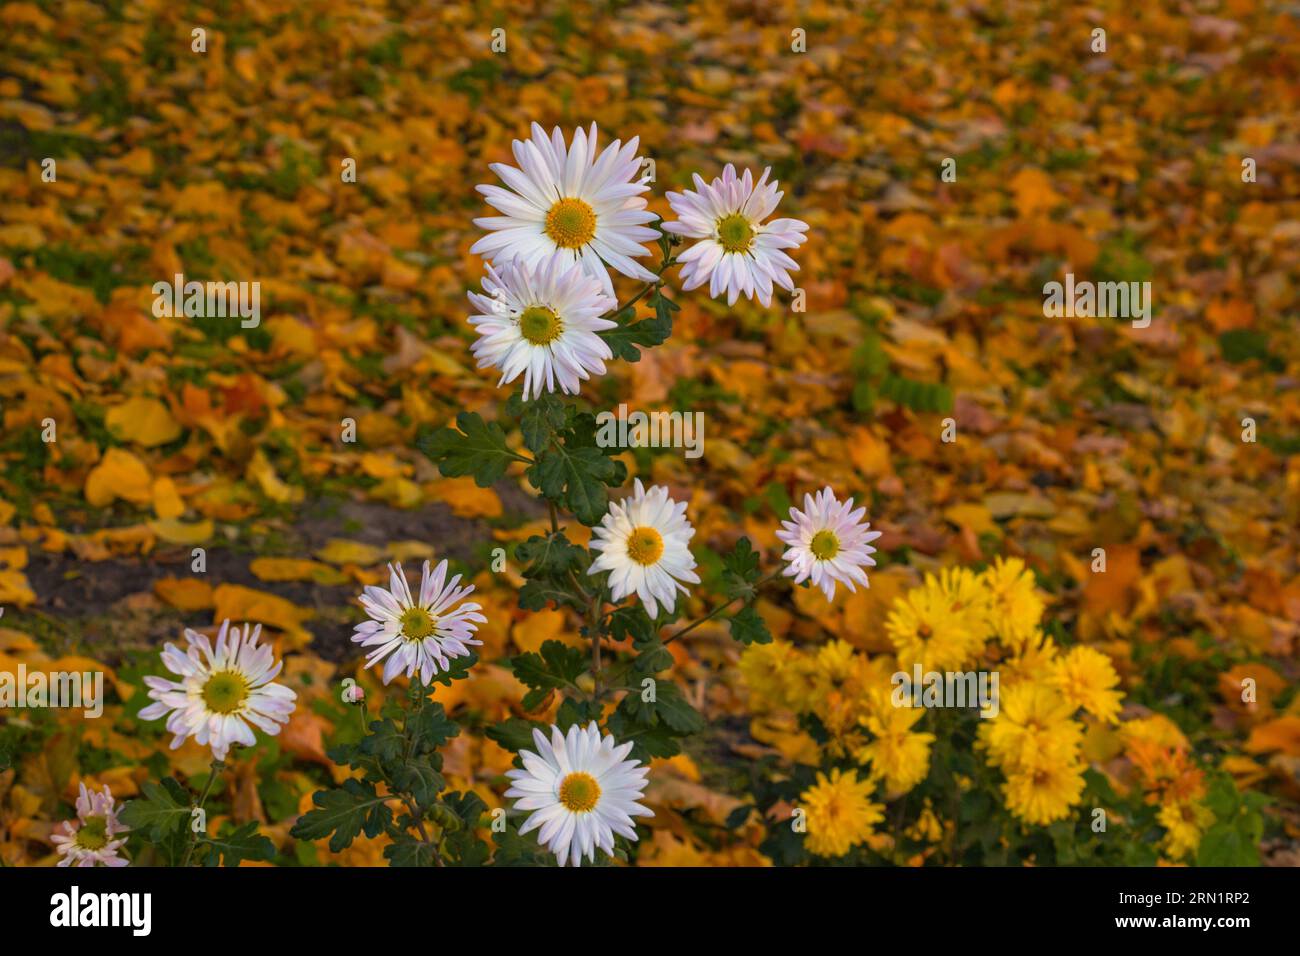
[
  {"x": 478, "y": 449},
  {"x": 515, "y": 733},
  {"x": 628, "y": 338},
  {"x": 421, "y": 779},
  {"x": 748, "y": 627},
  {"x": 163, "y": 808},
  {"x": 343, "y": 812},
  {"x": 430, "y": 728},
  {"x": 408, "y": 851},
  {"x": 576, "y": 477},
  {"x": 557, "y": 665},
  {"x": 232, "y": 846}
]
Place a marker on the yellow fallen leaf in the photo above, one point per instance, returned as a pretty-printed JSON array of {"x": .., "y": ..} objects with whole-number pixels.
[
  {"x": 343, "y": 551},
  {"x": 975, "y": 517},
  {"x": 465, "y": 498},
  {"x": 178, "y": 532},
  {"x": 15, "y": 589},
  {"x": 238, "y": 603},
  {"x": 119, "y": 474},
  {"x": 145, "y": 421},
  {"x": 261, "y": 471},
  {"x": 296, "y": 569},
  {"x": 184, "y": 594},
  {"x": 166, "y": 500}
]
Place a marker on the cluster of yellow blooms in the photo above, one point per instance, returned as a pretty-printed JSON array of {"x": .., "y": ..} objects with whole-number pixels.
[{"x": 955, "y": 620}]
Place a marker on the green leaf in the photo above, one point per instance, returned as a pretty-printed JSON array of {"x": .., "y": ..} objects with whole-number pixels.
[
  {"x": 580, "y": 712},
  {"x": 549, "y": 556},
  {"x": 918, "y": 396},
  {"x": 647, "y": 742},
  {"x": 515, "y": 850},
  {"x": 539, "y": 418},
  {"x": 556, "y": 666},
  {"x": 421, "y": 779},
  {"x": 1242, "y": 345},
  {"x": 342, "y": 813},
  {"x": 243, "y": 843},
  {"x": 669, "y": 706},
  {"x": 673, "y": 709},
  {"x": 628, "y": 338},
  {"x": 1224, "y": 844},
  {"x": 406, "y": 850},
  {"x": 385, "y": 741},
  {"x": 748, "y": 627},
  {"x": 539, "y": 594},
  {"x": 740, "y": 569},
  {"x": 515, "y": 733},
  {"x": 576, "y": 477},
  {"x": 163, "y": 808},
  {"x": 652, "y": 659},
  {"x": 461, "y": 845},
  {"x": 459, "y": 670},
  {"x": 479, "y": 449},
  {"x": 431, "y": 728},
  {"x": 632, "y": 622}
]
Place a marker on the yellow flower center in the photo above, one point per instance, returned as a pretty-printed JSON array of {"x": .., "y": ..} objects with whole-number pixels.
[
  {"x": 824, "y": 545},
  {"x": 579, "y": 792},
  {"x": 225, "y": 692},
  {"x": 571, "y": 223},
  {"x": 417, "y": 624},
  {"x": 735, "y": 233},
  {"x": 645, "y": 545},
  {"x": 93, "y": 834},
  {"x": 540, "y": 325}
]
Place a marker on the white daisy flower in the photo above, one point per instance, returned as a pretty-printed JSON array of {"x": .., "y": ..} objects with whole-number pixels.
[
  {"x": 828, "y": 543},
  {"x": 737, "y": 253},
  {"x": 581, "y": 791},
  {"x": 92, "y": 838},
  {"x": 643, "y": 543},
  {"x": 542, "y": 321},
  {"x": 570, "y": 200},
  {"x": 418, "y": 635},
  {"x": 221, "y": 691}
]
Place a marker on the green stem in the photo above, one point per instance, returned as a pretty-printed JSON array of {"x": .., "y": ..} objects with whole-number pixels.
[
  {"x": 617, "y": 673},
  {"x": 216, "y": 768},
  {"x": 593, "y": 625},
  {"x": 720, "y": 608}
]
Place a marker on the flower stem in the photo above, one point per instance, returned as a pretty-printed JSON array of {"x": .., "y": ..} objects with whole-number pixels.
[
  {"x": 720, "y": 608},
  {"x": 217, "y": 767}
]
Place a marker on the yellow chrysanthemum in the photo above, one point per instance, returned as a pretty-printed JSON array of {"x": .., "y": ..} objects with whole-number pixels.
[
  {"x": 1033, "y": 660},
  {"x": 897, "y": 753},
  {"x": 841, "y": 814},
  {"x": 1014, "y": 605},
  {"x": 1033, "y": 727},
  {"x": 1044, "y": 793},
  {"x": 765, "y": 671},
  {"x": 1184, "y": 822},
  {"x": 844, "y": 682},
  {"x": 941, "y": 623},
  {"x": 1086, "y": 678}
]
